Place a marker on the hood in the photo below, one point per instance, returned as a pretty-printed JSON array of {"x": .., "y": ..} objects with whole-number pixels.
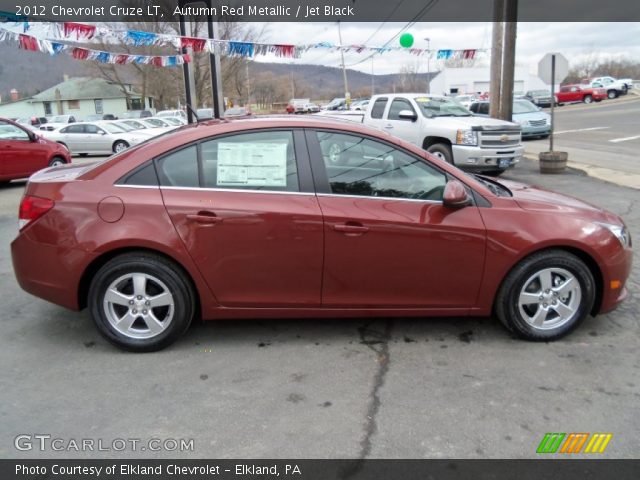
[
  {"x": 534, "y": 198},
  {"x": 521, "y": 117},
  {"x": 481, "y": 123}
]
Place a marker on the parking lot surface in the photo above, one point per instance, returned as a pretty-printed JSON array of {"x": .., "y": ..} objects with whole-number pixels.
[{"x": 379, "y": 388}]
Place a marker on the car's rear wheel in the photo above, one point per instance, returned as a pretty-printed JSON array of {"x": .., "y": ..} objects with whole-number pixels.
[
  {"x": 441, "y": 151},
  {"x": 57, "y": 161},
  {"x": 546, "y": 296},
  {"x": 587, "y": 99},
  {"x": 611, "y": 94},
  {"x": 141, "y": 302},
  {"x": 119, "y": 146}
]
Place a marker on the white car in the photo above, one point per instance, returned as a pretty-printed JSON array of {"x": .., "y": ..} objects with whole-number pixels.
[
  {"x": 172, "y": 113},
  {"x": 177, "y": 121},
  {"x": 96, "y": 138},
  {"x": 466, "y": 100}
]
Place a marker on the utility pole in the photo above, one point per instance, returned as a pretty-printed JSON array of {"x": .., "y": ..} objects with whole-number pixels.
[
  {"x": 509, "y": 59},
  {"x": 496, "y": 58},
  {"x": 347, "y": 95}
]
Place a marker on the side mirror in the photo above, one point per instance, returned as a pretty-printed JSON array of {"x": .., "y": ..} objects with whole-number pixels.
[
  {"x": 407, "y": 115},
  {"x": 455, "y": 195}
]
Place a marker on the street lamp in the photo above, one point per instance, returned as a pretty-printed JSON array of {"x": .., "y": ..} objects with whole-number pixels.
[{"x": 428, "y": 64}]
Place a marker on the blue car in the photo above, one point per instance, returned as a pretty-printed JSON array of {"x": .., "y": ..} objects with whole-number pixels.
[{"x": 534, "y": 122}]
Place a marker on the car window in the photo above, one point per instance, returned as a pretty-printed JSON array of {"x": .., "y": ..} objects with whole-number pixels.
[
  {"x": 483, "y": 108},
  {"x": 377, "y": 111},
  {"x": 179, "y": 169},
  {"x": 91, "y": 129},
  {"x": 360, "y": 166},
  {"x": 73, "y": 129},
  {"x": 253, "y": 161},
  {"x": 398, "y": 105},
  {"x": 9, "y": 131}
]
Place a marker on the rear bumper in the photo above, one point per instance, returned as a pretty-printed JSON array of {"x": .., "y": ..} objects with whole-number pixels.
[
  {"x": 480, "y": 159},
  {"x": 50, "y": 272}
]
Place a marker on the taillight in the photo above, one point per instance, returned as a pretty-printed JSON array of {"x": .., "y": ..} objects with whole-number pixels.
[{"x": 32, "y": 208}]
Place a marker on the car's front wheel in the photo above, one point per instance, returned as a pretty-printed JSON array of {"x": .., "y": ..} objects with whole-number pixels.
[
  {"x": 141, "y": 302},
  {"x": 587, "y": 99},
  {"x": 442, "y": 151},
  {"x": 57, "y": 161},
  {"x": 546, "y": 295}
]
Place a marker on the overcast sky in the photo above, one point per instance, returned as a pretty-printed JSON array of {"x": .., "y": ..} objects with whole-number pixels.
[{"x": 575, "y": 40}]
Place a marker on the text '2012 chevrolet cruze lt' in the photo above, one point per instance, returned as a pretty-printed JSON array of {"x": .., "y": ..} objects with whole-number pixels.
[{"x": 308, "y": 218}]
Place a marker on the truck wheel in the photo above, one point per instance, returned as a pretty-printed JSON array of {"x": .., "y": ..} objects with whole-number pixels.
[
  {"x": 441, "y": 151},
  {"x": 611, "y": 94},
  {"x": 587, "y": 99}
]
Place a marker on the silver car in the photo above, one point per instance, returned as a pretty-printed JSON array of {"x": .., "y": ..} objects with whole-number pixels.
[{"x": 96, "y": 138}]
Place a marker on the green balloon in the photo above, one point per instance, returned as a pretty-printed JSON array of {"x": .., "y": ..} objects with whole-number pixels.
[{"x": 406, "y": 40}]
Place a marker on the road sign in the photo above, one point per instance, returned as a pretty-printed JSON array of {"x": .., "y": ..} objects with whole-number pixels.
[{"x": 544, "y": 68}]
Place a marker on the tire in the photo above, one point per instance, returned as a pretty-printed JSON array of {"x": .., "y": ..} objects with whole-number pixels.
[
  {"x": 587, "y": 99},
  {"x": 334, "y": 153},
  {"x": 119, "y": 146},
  {"x": 536, "y": 319},
  {"x": 146, "y": 330},
  {"x": 441, "y": 151},
  {"x": 611, "y": 94},
  {"x": 543, "y": 137},
  {"x": 57, "y": 161}
]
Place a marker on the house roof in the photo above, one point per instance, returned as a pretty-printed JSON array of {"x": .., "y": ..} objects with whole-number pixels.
[{"x": 81, "y": 88}]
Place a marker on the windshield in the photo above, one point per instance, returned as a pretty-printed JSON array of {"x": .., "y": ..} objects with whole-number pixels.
[
  {"x": 59, "y": 119},
  {"x": 125, "y": 127},
  {"x": 135, "y": 125},
  {"x": 441, "y": 107},
  {"x": 155, "y": 122},
  {"x": 111, "y": 128},
  {"x": 524, "y": 106}
]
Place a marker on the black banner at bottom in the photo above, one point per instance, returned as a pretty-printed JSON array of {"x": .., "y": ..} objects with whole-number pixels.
[{"x": 542, "y": 469}]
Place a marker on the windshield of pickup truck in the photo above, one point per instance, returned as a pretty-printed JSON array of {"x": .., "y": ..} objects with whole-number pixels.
[{"x": 441, "y": 107}]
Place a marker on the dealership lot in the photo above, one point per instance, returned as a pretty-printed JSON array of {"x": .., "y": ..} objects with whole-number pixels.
[{"x": 323, "y": 388}]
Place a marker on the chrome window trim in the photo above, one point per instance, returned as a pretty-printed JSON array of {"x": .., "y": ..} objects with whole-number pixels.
[
  {"x": 376, "y": 197},
  {"x": 136, "y": 186},
  {"x": 237, "y": 190}
]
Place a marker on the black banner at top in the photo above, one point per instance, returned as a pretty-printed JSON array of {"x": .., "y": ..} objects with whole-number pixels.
[{"x": 316, "y": 10}]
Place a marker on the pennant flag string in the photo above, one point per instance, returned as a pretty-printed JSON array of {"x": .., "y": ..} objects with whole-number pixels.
[{"x": 71, "y": 31}]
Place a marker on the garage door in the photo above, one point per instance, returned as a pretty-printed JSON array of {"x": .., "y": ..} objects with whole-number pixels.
[{"x": 481, "y": 86}]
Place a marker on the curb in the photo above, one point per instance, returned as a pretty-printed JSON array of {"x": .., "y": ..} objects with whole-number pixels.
[{"x": 617, "y": 177}]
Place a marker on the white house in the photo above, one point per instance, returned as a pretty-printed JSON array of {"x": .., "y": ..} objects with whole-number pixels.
[
  {"x": 79, "y": 97},
  {"x": 473, "y": 80}
]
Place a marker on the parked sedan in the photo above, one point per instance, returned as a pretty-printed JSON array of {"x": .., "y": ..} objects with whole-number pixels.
[
  {"x": 534, "y": 122},
  {"x": 23, "y": 152},
  {"x": 97, "y": 138},
  {"x": 226, "y": 220}
]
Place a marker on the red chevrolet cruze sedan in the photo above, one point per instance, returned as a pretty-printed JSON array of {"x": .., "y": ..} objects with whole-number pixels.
[
  {"x": 308, "y": 218},
  {"x": 23, "y": 152}
]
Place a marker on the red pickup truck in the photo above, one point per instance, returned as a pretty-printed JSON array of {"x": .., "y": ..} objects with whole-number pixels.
[{"x": 580, "y": 93}]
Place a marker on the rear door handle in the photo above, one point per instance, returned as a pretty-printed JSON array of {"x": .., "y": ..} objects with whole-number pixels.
[
  {"x": 388, "y": 126},
  {"x": 351, "y": 228},
  {"x": 206, "y": 218}
]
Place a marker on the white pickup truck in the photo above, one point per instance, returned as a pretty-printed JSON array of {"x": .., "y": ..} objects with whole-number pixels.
[
  {"x": 446, "y": 129},
  {"x": 614, "y": 87}
]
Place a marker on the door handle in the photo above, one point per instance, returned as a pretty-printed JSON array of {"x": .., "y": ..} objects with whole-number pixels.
[
  {"x": 206, "y": 218},
  {"x": 352, "y": 228},
  {"x": 388, "y": 126}
]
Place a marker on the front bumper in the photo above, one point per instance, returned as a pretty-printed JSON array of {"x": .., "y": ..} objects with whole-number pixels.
[
  {"x": 483, "y": 159},
  {"x": 529, "y": 131}
]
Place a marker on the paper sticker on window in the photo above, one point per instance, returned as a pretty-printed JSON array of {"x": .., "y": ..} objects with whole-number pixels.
[{"x": 252, "y": 164}]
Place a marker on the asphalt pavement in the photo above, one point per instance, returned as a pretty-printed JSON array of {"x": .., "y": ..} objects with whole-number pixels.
[
  {"x": 379, "y": 388},
  {"x": 603, "y": 135}
]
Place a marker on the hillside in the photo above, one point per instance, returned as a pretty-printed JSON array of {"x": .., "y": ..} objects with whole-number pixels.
[{"x": 32, "y": 72}]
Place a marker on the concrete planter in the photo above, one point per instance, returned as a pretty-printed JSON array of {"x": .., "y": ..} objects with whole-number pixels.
[{"x": 553, "y": 162}]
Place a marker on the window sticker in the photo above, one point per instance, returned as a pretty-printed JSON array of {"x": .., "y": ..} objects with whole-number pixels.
[{"x": 252, "y": 164}]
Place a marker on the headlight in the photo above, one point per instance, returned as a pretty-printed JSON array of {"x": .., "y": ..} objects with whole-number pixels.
[
  {"x": 620, "y": 232},
  {"x": 467, "y": 137}
]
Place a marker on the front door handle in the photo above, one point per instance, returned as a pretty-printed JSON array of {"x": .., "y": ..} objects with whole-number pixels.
[
  {"x": 351, "y": 228},
  {"x": 388, "y": 126},
  {"x": 205, "y": 218}
]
